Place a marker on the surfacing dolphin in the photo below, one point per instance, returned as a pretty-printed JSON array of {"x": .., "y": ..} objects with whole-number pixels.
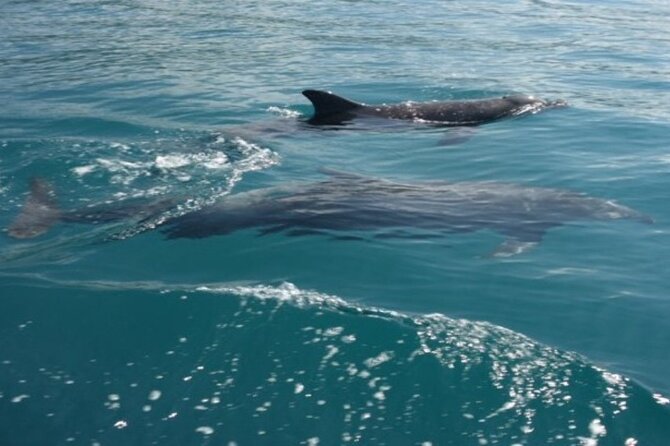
[
  {"x": 330, "y": 109},
  {"x": 348, "y": 202}
]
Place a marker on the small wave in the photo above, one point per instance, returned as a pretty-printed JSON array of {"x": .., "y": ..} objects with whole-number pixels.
[
  {"x": 524, "y": 370},
  {"x": 318, "y": 355}
]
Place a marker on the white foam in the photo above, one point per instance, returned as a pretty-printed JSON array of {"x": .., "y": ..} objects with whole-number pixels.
[
  {"x": 332, "y": 351},
  {"x": 171, "y": 161},
  {"x": 284, "y": 112},
  {"x": 209, "y": 160},
  {"x": 334, "y": 331},
  {"x": 379, "y": 359},
  {"x": 660, "y": 399},
  {"x": 120, "y": 146},
  {"x": 216, "y": 160},
  {"x": 19, "y": 398},
  {"x": 613, "y": 378},
  {"x": 119, "y": 165},
  {"x": 84, "y": 170},
  {"x": 205, "y": 430},
  {"x": 285, "y": 292},
  {"x": 597, "y": 429}
]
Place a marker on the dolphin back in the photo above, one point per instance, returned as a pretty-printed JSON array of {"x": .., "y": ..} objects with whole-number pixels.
[{"x": 327, "y": 104}]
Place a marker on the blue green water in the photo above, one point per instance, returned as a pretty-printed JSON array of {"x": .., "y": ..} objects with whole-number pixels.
[{"x": 112, "y": 335}]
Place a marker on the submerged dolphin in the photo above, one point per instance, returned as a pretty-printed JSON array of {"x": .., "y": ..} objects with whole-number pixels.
[
  {"x": 349, "y": 202},
  {"x": 346, "y": 202},
  {"x": 330, "y": 109}
]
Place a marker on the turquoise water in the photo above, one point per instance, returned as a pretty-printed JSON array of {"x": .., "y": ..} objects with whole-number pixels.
[{"x": 113, "y": 335}]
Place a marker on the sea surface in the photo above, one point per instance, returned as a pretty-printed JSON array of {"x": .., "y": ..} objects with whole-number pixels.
[{"x": 112, "y": 334}]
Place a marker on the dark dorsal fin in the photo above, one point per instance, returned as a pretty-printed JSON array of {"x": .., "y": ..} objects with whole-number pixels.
[{"x": 326, "y": 103}]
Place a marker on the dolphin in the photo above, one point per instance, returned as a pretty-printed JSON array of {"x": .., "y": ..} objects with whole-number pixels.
[
  {"x": 351, "y": 202},
  {"x": 346, "y": 202},
  {"x": 330, "y": 109}
]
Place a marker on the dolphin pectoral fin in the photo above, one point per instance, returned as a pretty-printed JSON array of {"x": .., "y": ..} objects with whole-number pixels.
[
  {"x": 512, "y": 247},
  {"x": 39, "y": 213},
  {"x": 456, "y": 135},
  {"x": 521, "y": 239}
]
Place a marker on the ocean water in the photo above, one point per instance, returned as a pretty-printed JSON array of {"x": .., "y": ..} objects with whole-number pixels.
[{"x": 112, "y": 334}]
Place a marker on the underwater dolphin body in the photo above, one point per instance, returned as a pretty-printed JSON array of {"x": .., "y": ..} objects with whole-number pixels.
[
  {"x": 347, "y": 202},
  {"x": 330, "y": 109}
]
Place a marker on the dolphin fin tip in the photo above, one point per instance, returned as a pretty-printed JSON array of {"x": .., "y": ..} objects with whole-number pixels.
[{"x": 326, "y": 103}]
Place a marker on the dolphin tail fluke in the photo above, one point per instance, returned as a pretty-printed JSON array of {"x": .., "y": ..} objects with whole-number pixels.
[
  {"x": 326, "y": 103},
  {"x": 39, "y": 212}
]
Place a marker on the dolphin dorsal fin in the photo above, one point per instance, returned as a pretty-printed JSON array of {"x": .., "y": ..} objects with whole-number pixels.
[{"x": 326, "y": 103}]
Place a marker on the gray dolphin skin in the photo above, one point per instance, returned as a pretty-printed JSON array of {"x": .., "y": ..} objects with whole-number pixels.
[
  {"x": 350, "y": 202},
  {"x": 347, "y": 202},
  {"x": 330, "y": 109}
]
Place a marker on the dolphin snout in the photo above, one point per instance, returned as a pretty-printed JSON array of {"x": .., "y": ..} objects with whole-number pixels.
[{"x": 615, "y": 211}]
